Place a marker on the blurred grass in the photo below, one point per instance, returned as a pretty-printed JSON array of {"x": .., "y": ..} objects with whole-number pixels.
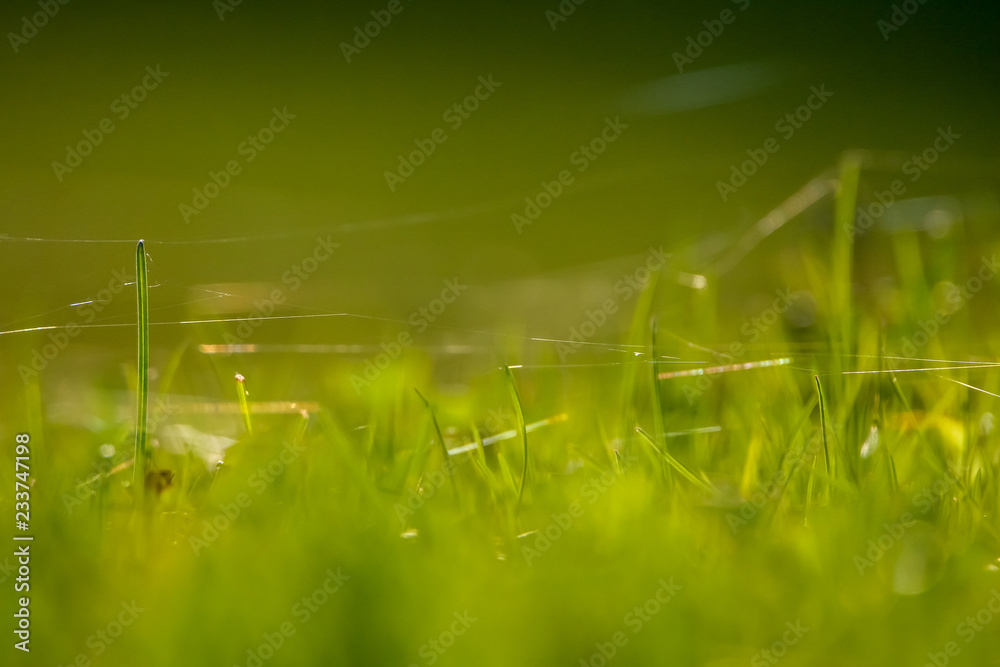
[
  {"x": 590, "y": 480},
  {"x": 755, "y": 526}
]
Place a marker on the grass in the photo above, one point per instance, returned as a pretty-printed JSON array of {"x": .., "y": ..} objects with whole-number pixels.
[
  {"x": 437, "y": 431},
  {"x": 242, "y": 392},
  {"x": 522, "y": 428},
  {"x": 674, "y": 463},
  {"x": 822, "y": 425},
  {"x": 863, "y": 506},
  {"x": 142, "y": 376}
]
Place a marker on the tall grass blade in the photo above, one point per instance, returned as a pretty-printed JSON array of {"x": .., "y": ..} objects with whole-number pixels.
[
  {"x": 142, "y": 385},
  {"x": 631, "y": 380},
  {"x": 655, "y": 396},
  {"x": 843, "y": 260},
  {"x": 822, "y": 421},
  {"x": 516, "y": 397}
]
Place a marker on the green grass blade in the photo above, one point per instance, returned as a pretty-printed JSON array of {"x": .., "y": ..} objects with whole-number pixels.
[
  {"x": 843, "y": 258},
  {"x": 678, "y": 466},
  {"x": 169, "y": 371},
  {"x": 809, "y": 493},
  {"x": 440, "y": 437},
  {"x": 822, "y": 421},
  {"x": 516, "y": 397},
  {"x": 631, "y": 379},
  {"x": 241, "y": 390},
  {"x": 350, "y": 460},
  {"x": 142, "y": 385},
  {"x": 655, "y": 395},
  {"x": 479, "y": 459}
]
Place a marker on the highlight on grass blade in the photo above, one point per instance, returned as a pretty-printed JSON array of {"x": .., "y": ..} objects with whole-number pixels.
[
  {"x": 243, "y": 392},
  {"x": 516, "y": 397},
  {"x": 142, "y": 384},
  {"x": 678, "y": 466},
  {"x": 511, "y": 433},
  {"x": 729, "y": 368}
]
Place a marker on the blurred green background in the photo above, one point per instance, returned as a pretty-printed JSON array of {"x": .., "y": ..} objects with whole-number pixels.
[
  {"x": 656, "y": 185},
  {"x": 323, "y": 176}
]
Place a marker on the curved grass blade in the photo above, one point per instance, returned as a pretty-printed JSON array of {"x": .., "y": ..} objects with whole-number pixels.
[
  {"x": 822, "y": 419},
  {"x": 480, "y": 461},
  {"x": 678, "y": 466},
  {"x": 440, "y": 437},
  {"x": 516, "y": 397}
]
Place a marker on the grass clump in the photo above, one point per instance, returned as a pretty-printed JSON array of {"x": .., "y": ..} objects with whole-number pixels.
[{"x": 843, "y": 490}]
